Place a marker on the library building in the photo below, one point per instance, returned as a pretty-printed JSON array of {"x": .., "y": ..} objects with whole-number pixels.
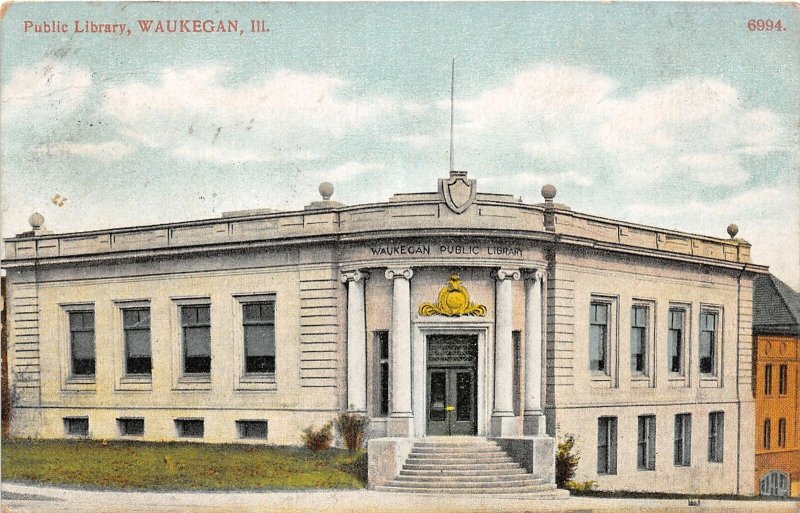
[{"x": 454, "y": 320}]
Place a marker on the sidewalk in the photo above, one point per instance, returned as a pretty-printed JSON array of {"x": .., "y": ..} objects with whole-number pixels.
[{"x": 18, "y": 498}]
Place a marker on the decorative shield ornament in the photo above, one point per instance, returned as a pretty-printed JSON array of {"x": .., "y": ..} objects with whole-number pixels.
[{"x": 459, "y": 193}]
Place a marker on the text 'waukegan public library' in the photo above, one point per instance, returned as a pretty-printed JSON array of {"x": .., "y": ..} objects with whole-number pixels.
[{"x": 444, "y": 313}]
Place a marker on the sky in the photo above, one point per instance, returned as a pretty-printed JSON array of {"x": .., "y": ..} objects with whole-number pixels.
[{"x": 665, "y": 114}]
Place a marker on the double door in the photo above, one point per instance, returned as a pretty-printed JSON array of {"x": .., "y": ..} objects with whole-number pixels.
[{"x": 452, "y": 401}]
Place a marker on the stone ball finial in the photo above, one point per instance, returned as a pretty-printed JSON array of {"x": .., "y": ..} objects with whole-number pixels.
[
  {"x": 733, "y": 230},
  {"x": 36, "y": 220},
  {"x": 549, "y": 192},
  {"x": 326, "y": 190}
]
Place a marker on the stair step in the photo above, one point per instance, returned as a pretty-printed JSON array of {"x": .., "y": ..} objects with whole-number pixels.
[
  {"x": 454, "y": 461},
  {"x": 391, "y": 487},
  {"x": 530, "y": 495},
  {"x": 450, "y": 450},
  {"x": 457, "y": 455},
  {"x": 477, "y": 481},
  {"x": 459, "y": 466},
  {"x": 448, "y": 471}
]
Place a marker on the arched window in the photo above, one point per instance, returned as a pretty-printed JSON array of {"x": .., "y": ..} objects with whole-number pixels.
[{"x": 775, "y": 484}]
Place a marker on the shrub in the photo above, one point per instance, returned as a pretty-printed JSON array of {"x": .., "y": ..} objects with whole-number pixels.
[
  {"x": 580, "y": 486},
  {"x": 318, "y": 439},
  {"x": 351, "y": 427},
  {"x": 566, "y": 461}
]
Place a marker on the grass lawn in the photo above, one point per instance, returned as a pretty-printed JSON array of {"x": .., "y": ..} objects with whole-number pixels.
[{"x": 179, "y": 466}]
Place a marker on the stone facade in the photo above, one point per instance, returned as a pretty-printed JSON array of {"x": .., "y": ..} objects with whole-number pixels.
[{"x": 514, "y": 282}]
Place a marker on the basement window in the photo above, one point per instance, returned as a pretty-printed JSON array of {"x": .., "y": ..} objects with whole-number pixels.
[
  {"x": 76, "y": 426},
  {"x": 252, "y": 429}
]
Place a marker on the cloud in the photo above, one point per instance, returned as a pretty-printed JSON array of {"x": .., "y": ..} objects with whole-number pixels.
[
  {"x": 533, "y": 180},
  {"x": 763, "y": 214},
  {"x": 566, "y": 118},
  {"x": 110, "y": 150},
  {"x": 349, "y": 170},
  {"x": 282, "y": 116},
  {"x": 47, "y": 89}
]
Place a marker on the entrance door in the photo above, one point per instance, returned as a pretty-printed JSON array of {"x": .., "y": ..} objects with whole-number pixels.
[{"x": 451, "y": 401}]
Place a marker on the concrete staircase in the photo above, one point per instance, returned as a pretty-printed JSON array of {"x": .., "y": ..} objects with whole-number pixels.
[{"x": 467, "y": 465}]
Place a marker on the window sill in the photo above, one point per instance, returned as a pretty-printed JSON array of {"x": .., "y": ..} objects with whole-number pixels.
[
  {"x": 677, "y": 381},
  {"x": 258, "y": 378},
  {"x": 194, "y": 382},
  {"x": 708, "y": 381},
  {"x": 600, "y": 380},
  {"x": 135, "y": 382},
  {"x": 81, "y": 383}
]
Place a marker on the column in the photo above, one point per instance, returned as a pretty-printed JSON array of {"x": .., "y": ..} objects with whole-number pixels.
[
  {"x": 356, "y": 342},
  {"x": 503, "y": 421},
  {"x": 401, "y": 416},
  {"x": 534, "y": 313}
]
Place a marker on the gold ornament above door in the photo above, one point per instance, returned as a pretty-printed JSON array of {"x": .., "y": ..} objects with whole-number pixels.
[{"x": 453, "y": 302}]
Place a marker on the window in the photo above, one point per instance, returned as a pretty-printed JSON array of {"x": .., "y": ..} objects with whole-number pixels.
[
  {"x": 258, "y": 320},
  {"x": 768, "y": 379},
  {"x": 517, "y": 376},
  {"x": 382, "y": 353},
  {"x": 683, "y": 440},
  {"x": 189, "y": 428},
  {"x": 130, "y": 427},
  {"x": 76, "y": 426},
  {"x": 646, "y": 452},
  {"x": 767, "y": 433},
  {"x": 774, "y": 483},
  {"x": 675, "y": 340},
  {"x": 81, "y": 337},
  {"x": 782, "y": 433},
  {"x": 782, "y": 379},
  {"x": 196, "y": 324},
  {"x": 252, "y": 429},
  {"x": 598, "y": 337},
  {"x": 639, "y": 340},
  {"x": 708, "y": 342},
  {"x": 716, "y": 436},
  {"x": 607, "y": 445},
  {"x": 136, "y": 323}
]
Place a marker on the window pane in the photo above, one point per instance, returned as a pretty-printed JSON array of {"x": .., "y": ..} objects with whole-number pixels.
[
  {"x": 259, "y": 340},
  {"x": 131, "y": 427},
  {"x": 782, "y": 379},
  {"x": 137, "y": 342},
  {"x": 638, "y": 350},
  {"x": 197, "y": 341},
  {"x": 438, "y": 392},
  {"x": 76, "y": 426},
  {"x": 464, "y": 396},
  {"x": 607, "y": 445},
  {"x": 706, "y": 352},
  {"x": 136, "y": 317},
  {"x": 384, "y": 404},
  {"x": 138, "y": 365},
  {"x": 204, "y": 315},
  {"x": 190, "y": 428},
  {"x": 598, "y": 314},
  {"x": 767, "y": 379},
  {"x": 675, "y": 349},
  {"x": 258, "y": 312},
  {"x": 597, "y": 349},
  {"x": 384, "y": 343},
  {"x": 83, "y": 345},
  {"x": 256, "y": 429},
  {"x": 188, "y": 315}
]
